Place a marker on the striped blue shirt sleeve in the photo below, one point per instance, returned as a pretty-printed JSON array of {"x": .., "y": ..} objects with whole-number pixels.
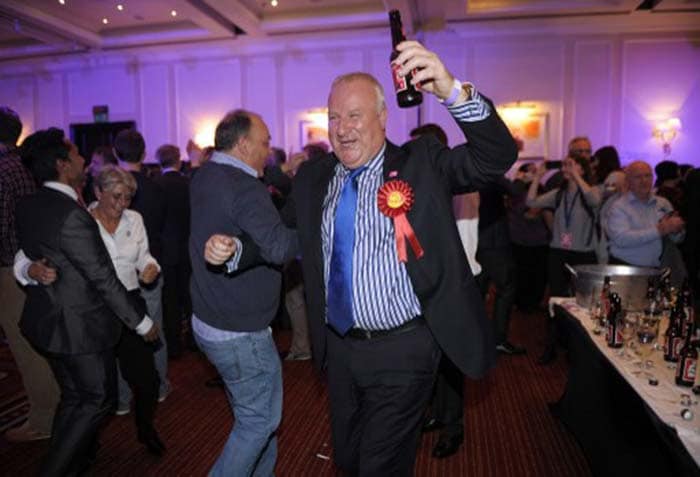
[{"x": 473, "y": 110}]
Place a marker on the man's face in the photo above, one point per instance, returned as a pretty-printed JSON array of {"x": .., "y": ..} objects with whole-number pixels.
[
  {"x": 640, "y": 180},
  {"x": 74, "y": 167},
  {"x": 355, "y": 125},
  {"x": 257, "y": 144},
  {"x": 580, "y": 148}
]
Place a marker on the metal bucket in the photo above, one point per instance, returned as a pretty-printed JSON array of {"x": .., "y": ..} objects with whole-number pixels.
[{"x": 628, "y": 282}]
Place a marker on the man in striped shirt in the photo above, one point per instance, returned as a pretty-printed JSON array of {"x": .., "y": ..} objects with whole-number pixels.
[{"x": 379, "y": 319}]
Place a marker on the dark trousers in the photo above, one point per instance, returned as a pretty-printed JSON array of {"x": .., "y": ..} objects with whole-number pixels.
[
  {"x": 177, "y": 305},
  {"x": 378, "y": 392},
  {"x": 88, "y": 385},
  {"x": 559, "y": 285},
  {"x": 531, "y": 275},
  {"x": 447, "y": 405},
  {"x": 138, "y": 368},
  {"x": 559, "y": 276},
  {"x": 498, "y": 267}
]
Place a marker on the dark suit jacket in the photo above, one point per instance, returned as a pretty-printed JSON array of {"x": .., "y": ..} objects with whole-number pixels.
[
  {"x": 149, "y": 201},
  {"x": 80, "y": 312},
  {"x": 442, "y": 279},
  {"x": 176, "y": 227}
]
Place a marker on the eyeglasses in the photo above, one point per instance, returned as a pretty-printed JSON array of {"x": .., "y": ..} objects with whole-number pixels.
[{"x": 579, "y": 151}]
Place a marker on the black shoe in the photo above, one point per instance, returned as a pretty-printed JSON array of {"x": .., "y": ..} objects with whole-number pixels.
[
  {"x": 509, "y": 348},
  {"x": 153, "y": 443},
  {"x": 431, "y": 424},
  {"x": 216, "y": 382},
  {"x": 549, "y": 355},
  {"x": 446, "y": 446}
]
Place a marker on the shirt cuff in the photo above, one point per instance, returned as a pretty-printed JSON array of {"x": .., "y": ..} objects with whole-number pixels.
[
  {"x": 145, "y": 326},
  {"x": 232, "y": 263},
  {"x": 473, "y": 110},
  {"x": 21, "y": 269}
]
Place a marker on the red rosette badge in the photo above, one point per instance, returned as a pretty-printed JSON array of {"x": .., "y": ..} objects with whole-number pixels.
[{"x": 394, "y": 199}]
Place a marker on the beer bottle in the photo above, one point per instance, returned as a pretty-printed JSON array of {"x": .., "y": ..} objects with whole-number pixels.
[
  {"x": 614, "y": 334},
  {"x": 406, "y": 93},
  {"x": 605, "y": 298},
  {"x": 687, "y": 360},
  {"x": 674, "y": 336}
]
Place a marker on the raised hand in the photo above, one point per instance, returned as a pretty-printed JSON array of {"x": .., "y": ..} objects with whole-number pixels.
[{"x": 430, "y": 73}]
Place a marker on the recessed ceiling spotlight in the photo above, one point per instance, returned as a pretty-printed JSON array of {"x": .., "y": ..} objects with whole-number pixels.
[
  {"x": 105, "y": 21},
  {"x": 120, "y": 7},
  {"x": 62, "y": 2},
  {"x": 173, "y": 13},
  {"x": 274, "y": 3}
]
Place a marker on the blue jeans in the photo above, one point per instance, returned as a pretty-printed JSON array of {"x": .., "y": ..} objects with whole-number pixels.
[{"x": 250, "y": 367}]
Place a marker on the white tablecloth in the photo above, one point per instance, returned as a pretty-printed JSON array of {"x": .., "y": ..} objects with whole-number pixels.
[{"x": 664, "y": 399}]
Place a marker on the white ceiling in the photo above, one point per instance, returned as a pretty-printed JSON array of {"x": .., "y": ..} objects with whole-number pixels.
[{"x": 43, "y": 27}]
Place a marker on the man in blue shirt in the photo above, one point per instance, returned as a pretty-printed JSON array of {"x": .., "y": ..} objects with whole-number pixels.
[{"x": 639, "y": 220}]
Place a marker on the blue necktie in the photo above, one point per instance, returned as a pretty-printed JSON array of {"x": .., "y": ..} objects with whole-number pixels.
[{"x": 340, "y": 274}]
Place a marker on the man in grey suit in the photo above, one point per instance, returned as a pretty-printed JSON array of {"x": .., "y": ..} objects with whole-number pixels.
[{"x": 74, "y": 319}]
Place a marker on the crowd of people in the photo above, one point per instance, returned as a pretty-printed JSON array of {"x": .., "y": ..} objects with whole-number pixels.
[{"x": 383, "y": 255}]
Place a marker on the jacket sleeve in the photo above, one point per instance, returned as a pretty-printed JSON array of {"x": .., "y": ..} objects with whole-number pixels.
[
  {"x": 488, "y": 154},
  {"x": 81, "y": 243}
]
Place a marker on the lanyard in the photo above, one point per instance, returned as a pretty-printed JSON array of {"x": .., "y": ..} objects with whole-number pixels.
[{"x": 569, "y": 210}]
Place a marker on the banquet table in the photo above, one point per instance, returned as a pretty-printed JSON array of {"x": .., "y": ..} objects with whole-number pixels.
[{"x": 625, "y": 424}]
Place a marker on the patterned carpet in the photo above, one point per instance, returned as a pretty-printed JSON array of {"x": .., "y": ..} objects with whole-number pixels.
[{"x": 509, "y": 430}]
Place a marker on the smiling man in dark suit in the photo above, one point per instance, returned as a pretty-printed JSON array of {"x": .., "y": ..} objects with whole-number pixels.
[
  {"x": 74, "y": 321},
  {"x": 379, "y": 313}
]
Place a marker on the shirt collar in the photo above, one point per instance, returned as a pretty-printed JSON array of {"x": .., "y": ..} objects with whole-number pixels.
[
  {"x": 222, "y": 158},
  {"x": 169, "y": 169},
  {"x": 634, "y": 200},
  {"x": 61, "y": 187},
  {"x": 372, "y": 166}
]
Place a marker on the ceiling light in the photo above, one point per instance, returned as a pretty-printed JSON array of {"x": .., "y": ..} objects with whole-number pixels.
[
  {"x": 274, "y": 3},
  {"x": 173, "y": 13},
  {"x": 62, "y": 2},
  {"x": 120, "y": 7},
  {"x": 105, "y": 21}
]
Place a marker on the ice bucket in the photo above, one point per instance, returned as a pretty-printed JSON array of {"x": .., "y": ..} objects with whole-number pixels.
[{"x": 628, "y": 282}]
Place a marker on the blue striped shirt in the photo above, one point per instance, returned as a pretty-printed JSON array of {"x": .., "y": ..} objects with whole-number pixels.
[{"x": 383, "y": 297}]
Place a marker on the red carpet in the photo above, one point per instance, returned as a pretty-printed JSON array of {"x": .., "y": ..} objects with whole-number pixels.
[{"x": 509, "y": 431}]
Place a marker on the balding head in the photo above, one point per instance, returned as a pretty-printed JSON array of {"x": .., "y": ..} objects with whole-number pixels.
[{"x": 639, "y": 179}]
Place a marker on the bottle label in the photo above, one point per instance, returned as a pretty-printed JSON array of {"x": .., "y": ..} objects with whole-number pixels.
[
  {"x": 677, "y": 346},
  {"x": 399, "y": 81},
  {"x": 687, "y": 369}
]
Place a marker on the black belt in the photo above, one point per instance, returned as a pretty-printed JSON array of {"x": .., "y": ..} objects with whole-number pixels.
[{"x": 360, "y": 334}]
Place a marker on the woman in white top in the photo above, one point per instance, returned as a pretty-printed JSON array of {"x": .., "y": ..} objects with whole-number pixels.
[{"x": 125, "y": 237}]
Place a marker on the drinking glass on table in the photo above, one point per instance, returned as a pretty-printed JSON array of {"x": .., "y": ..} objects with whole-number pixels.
[{"x": 647, "y": 331}]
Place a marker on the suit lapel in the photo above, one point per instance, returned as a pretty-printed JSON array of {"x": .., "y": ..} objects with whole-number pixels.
[{"x": 394, "y": 161}]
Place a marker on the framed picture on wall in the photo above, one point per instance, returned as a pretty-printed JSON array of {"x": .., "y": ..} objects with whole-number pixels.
[
  {"x": 311, "y": 131},
  {"x": 531, "y": 133}
]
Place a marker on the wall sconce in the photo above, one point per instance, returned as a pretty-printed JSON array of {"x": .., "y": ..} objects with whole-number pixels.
[
  {"x": 204, "y": 133},
  {"x": 516, "y": 113},
  {"x": 666, "y": 131}
]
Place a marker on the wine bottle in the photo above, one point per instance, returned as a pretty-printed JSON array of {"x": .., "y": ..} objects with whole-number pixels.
[{"x": 406, "y": 93}]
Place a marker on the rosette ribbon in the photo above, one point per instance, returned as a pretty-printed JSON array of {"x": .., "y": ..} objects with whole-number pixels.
[{"x": 394, "y": 199}]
